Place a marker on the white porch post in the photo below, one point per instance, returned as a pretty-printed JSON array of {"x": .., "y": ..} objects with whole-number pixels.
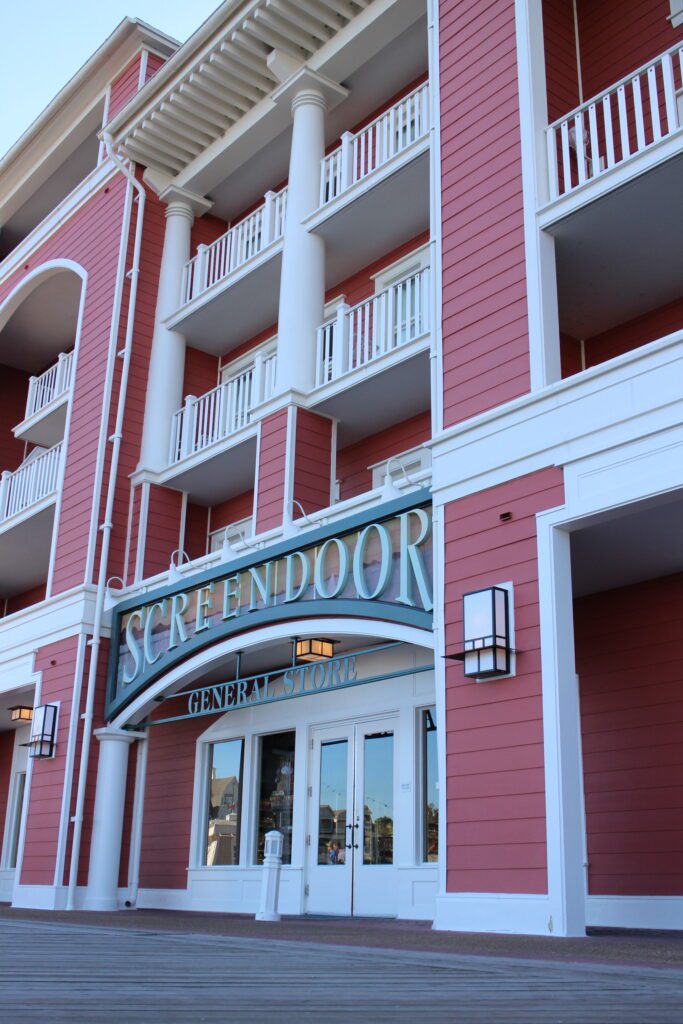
[
  {"x": 167, "y": 360},
  {"x": 302, "y": 282},
  {"x": 561, "y": 734},
  {"x": 107, "y": 829}
]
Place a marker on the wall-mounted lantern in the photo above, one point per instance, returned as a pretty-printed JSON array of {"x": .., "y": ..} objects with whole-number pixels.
[
  {"x": 20, "y": 713},
  {"x": 43, "y": 731},
  {"x": 310, "y": 649},
  {"x": 487, "y": 645}
]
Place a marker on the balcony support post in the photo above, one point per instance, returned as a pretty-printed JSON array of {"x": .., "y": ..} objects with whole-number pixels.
[
  {"x": 4, "y": 491},
  {"x": 302, "y": 281},
  {"x": 346, "y": 161},
  {"x": 31, "y": 397},
  {"x": 201, "y": 273},
  {"x": 268, "y": 223},
  {"x": 187, "y": 428},
  {"x": 340, "y": 347},
  {"x": 167, "y": 361},
  {"x": 257, "y": 380}
]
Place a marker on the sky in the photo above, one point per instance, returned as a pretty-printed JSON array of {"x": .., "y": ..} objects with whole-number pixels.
[{"x": 43, "y": 43}]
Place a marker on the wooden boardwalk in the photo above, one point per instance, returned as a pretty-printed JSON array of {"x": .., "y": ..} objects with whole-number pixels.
[{"x": 87, "y": 974}]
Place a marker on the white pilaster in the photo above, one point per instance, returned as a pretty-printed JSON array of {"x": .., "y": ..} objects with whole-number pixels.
[
  {"x": 167, "y": 360},
  {"x": 110, "y": 795},
  {"x": 561, "y": 734},
  {"x": 302, "y": 282}
]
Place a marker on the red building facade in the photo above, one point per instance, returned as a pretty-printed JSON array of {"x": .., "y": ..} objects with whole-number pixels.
[{"x": 319, "y": 333}]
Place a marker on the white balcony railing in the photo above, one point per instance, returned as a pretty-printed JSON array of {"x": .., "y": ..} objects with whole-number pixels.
[
  {"x": 30, "y": 483},
  {"x": 224, "y": 410},
  {"x": 55, "y": 382},
  {"x": 239, "y": 244},
  {"x": 359, "y": 334},
  {"x": 616, "y": 125},
  {"x": 387, "y": 136}
]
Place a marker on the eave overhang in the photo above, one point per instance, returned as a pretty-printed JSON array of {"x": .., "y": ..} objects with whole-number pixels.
[{"x": 220, "y": 74}]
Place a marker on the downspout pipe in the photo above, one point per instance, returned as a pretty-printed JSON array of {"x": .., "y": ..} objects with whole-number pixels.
[{"x": 106, "y": 527}]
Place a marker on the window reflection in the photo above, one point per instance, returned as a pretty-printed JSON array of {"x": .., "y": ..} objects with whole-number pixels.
[
  {"x": 276, "y": 791},
  {"x": 378, "y": 799},
  {"x": 332, "y": 811},
  {"x": 430, "y": 789},
  {"x": 225, "y": 802}
]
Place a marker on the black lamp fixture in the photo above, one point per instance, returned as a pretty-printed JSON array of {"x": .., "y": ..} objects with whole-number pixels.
[
  {"x": 487, "y": 646},
  {"x": 313, "y": 649},
  {"x": 20, "y": 713},
  {"x": 43, "y": 731}
]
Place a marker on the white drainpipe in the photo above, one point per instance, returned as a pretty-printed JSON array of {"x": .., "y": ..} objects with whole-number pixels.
[{"x": 106, "y": 528}]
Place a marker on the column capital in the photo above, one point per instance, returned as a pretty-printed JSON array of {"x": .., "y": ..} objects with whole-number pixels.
[
  {"x": 181, "y": 203},
  {"x": 307, "y": 86},
  {"x": 119, "y": 735}
]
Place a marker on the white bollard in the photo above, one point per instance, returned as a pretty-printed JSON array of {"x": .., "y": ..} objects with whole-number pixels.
[{"x": 270, "y": 885}]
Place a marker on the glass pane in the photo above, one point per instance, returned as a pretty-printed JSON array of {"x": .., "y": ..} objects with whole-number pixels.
[
  {"x": 430, "y": 789},
  {"x": 16, "y": 824},
  {"x": 276, "y": 791},
  {"x": 378, "y": 799},
  {"x": 332, "y": 813},
  {"x": 225, "y": 802}
]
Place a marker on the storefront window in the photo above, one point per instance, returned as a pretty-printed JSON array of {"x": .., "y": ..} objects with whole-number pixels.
[
  {"x": 276, "y": 791},
  {"x": 430, "y": 789},
  {"x": 225, "y": 803}
]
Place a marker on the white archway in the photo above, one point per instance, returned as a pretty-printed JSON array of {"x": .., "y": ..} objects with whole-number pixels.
[{"x": 193, "y": 668}]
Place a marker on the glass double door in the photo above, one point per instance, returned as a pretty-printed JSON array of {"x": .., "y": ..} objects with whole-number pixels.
[{"x": 352, "y": 827}]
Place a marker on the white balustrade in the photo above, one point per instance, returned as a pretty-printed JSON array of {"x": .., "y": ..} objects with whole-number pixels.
[
  {"x": 55, "y": 382},
  {"x": 224, "y": 410},
  {"x": 360, "y": 334},
  {"x": 388, "y": 135},
  {"x": 616, "y": 125},
  {"x": 30, "y": 483},
  {"x": 239, "y": 244}
]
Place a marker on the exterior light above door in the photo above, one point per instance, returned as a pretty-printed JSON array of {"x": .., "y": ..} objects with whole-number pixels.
[
  {"x": 19, "y": 713},
  {"x": 311, "y": 649},
  {"x": 487, "y": 645}
]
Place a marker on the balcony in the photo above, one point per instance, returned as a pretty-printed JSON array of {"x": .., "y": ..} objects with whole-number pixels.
[
  {"x": 366, "y": 180},
  {"x": 388, "y": 333},
  {"x": 230, "y": 288},
  {"x": 46, "y": 405},
  {"x": 27, "y": 498},
  {"x": 216, "y": 432},
  {"x": 613, "y": 130},
  {"x": 615, "y": 166}
]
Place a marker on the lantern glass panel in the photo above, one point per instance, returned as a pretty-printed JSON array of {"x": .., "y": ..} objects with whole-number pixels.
[{"x": 478, "y": 613}]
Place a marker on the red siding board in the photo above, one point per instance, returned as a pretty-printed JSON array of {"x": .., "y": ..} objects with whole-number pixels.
[
  {"x": 353, "y": 461},
  {"x": 495, "y": 734},
  {"x": 271, "y": 472},
  {"x": 630, "y": 666}
]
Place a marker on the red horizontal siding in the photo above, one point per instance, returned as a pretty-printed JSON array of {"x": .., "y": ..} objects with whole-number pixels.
[
  {"x": 196, "y": 525},
  {"x": 154, "y": 62},
  {"x": 629, "y": 657},
  {"x": 124, "y": 87},
  {"x": 562, "y": 78},
  {"x": 232, "y": 510},
  {"x": 56, "y": 663},
  {"x": 494, "y": 741},
  {"x": 163, "y": 529},
  {"x": 201, "y": 372},
  {"x": 352, "y": 462},
  {"x": 271, "y": 472},
  {"x": 167, "y": 820},
  {"x": 312, "y": 461},
  {"x": 631, "y": 335},
  {"x": 486, "y": 351},
  {"x": 26, "y": 599},
  {"x": 617, "y": 36}
]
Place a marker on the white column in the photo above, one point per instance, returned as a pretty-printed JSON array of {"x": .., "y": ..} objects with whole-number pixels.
[
  {"x": 107, "y": 829},
  {"x": 561, "y": 734},
  {"x": 302, "y": 282},
  {"x": 167, "y": 360}
]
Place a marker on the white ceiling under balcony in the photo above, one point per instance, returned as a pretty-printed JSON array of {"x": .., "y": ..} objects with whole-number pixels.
[
  {"x": 25, "y": 552},
  {"x": 230, "y": 75},
  {"x": 43, "y": 325}
]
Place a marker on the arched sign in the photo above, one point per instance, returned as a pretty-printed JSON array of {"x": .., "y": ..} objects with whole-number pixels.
[{"x": 371, "y": 565}]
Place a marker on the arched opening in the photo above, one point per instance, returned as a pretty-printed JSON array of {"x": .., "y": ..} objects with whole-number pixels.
[
  {"x": 338, "y": 754},
  {"x": 39, "y": 326}
]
